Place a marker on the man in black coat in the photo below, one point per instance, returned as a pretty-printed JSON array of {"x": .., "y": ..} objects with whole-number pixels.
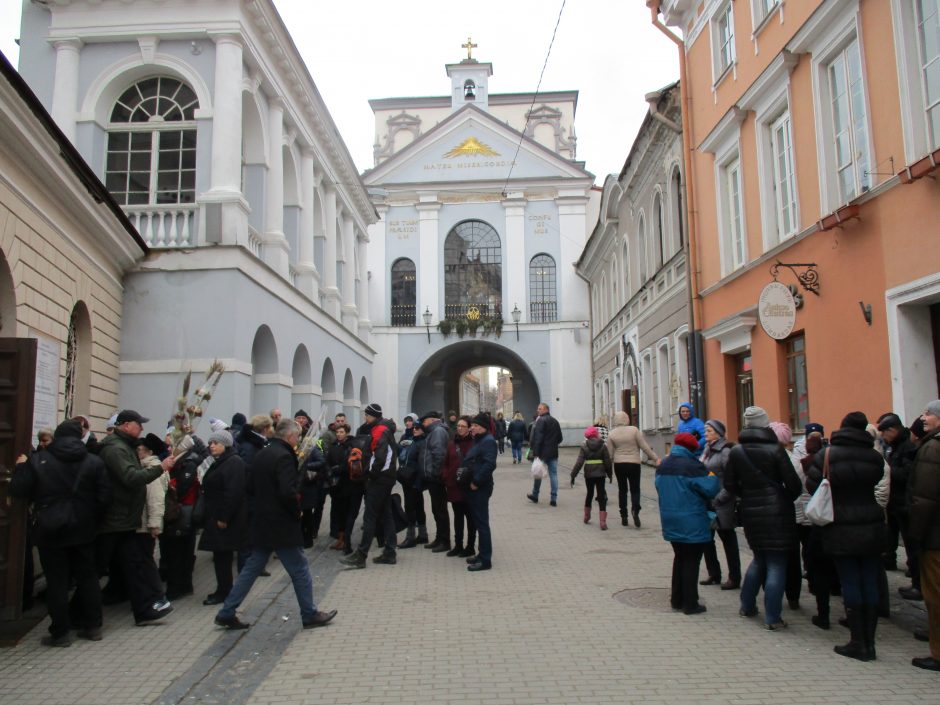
[
  {"x": 544, "y": 442},
  {"x": 431, "y": 467},
  {"x": 760, "y": 472},
  {"x": 899, "y": 451},
  {"x": 274, "y": 482},
  {"x": 69, "y": 488}
]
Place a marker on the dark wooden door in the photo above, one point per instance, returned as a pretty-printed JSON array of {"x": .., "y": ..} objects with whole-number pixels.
[{"x": 17, "y": 387}]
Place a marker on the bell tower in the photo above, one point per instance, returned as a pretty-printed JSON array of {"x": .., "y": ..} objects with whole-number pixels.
[{"x": 468, "y": 81}]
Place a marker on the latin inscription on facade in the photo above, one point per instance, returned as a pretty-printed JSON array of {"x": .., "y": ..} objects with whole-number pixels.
[
  {"x": 402, "y": 229},
  {"x": 540, "y": 224}
]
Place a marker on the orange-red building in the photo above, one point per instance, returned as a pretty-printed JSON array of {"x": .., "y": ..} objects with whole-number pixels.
[{"x": 814, "y": 129}]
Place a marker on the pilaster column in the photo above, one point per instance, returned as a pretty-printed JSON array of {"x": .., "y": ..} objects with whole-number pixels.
[
  {"x": 65, "y": 85},
  {"x": 328, "y": 275},
  {"x": 308, "y": 278},
  {"x": 350, "y": 311},
  {"x": 275, "y": 244},
  {"x": 516, "y": 274},
  {"x": 573, "y": 296},
  {"x": 227, "y": 116},
  {"x": 428, "y": 266},
  {"x": 361, "y": 254}
]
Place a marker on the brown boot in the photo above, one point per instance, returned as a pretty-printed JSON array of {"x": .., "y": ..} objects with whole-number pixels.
[
  {"x": 603, "y": 521},
  {"x": 587, "y": 515},
  {"x": 340, "y": 543}
]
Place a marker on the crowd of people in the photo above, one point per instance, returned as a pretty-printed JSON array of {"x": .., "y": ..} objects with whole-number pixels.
[{"x": 258, "y": 486}]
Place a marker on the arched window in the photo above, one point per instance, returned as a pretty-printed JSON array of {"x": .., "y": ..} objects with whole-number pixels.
[
  {"x": 625, "y": 259},
  {"x": 473, "y": 270},
  {"x": 404, "y": 292},
  {"x": 152, "y": 144},
  {"x": 642, "y": 255},
  {"x": 659, "y": 239},
  {"x": 543, "y": 300},
  {"x": 78, "y": 362},
  {"x": 675, "y": 187}
]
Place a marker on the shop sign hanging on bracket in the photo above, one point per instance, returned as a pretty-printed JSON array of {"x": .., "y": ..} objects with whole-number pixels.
[{"x": 776, "y": 310}]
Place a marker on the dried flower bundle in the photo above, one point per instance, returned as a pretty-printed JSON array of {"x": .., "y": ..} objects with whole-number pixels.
[{"x": 190, "y": 409}]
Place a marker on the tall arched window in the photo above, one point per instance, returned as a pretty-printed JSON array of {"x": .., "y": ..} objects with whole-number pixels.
[
  {"x": 675, "y": 191},
  {"x": 543, "y": 299},
  {"x": 659, "y": 238},
  {"x": 625, "y": 260},
  {"x": 473, "y": 270},
  {"x": 642, "y": 254},
  {"x": 152, "y": 144},
  {"x": 404, "y": 292}
]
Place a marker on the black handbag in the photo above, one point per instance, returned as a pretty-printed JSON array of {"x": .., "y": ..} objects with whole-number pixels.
[{"x": 464, "y": 477}]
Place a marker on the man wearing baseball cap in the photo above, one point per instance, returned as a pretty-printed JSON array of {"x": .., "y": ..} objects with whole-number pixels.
[{"x": 118, "y": 543}]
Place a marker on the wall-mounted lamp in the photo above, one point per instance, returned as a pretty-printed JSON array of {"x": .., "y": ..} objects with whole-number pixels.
[
  {"x": 866, "y": 311},
  {"x": 427, "y": 316},
  {"x": 516, "y": 315}
]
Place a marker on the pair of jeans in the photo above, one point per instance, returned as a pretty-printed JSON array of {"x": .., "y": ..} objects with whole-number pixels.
[
  {"x": 61, "y": 566},
  {"x": 769, "y": 568},
  {"x": 378, "y": 512},
  {"x": 294, "y": 562},
  {"x": 859, "y": 578},
  {"x": 552, "y": 478},
  {"x": 596, "y": 484},
  {"x": 461, "y": 515},
  {"x": 479, "y": 503},
  {"x": 628, "y": 475},
  {"x": 687, "y": 557},
  {"x": 516, "y": 450},
  {"x": 135, "y": 567},
  {"x": 729, "y": 540},
  {"x": 439, "y": 509}
]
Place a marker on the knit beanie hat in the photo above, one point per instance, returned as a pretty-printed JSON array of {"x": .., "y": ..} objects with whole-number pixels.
[
  {"x": 217, "y": 425},
  {"x": 482, "y": 420},
  {"x": 374, "y": 410},
  {"x": 889, "y": 421},
  {"x": 756, "y": 417},
  {"x": 933, "y": 408},
  {"x": 855, "y": 419},
  {"x": 591, "y": 432},
  {"x": 68, "y": 429},
  {"x": 687, "y": 441},
  {"x": 782, "y": 431},
  {"x": 239, "y": 419},
  {"x": 814, "y": 428},
  {"x": 223, "y": 437},
  {"x": 717, "y": 427}
]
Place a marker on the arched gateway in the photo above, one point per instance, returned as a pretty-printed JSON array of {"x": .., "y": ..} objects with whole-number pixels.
[{"x": 437, "y": 383}]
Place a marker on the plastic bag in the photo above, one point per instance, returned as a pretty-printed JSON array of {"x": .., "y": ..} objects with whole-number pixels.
[
  {"x": 539, "y": 469},
  {"x": 819, "y": 508}
]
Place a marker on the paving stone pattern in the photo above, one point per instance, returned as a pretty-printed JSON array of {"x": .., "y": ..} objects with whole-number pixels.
[{"x": 569, "y": 614}]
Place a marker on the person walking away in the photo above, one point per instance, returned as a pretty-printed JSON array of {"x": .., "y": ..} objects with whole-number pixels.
[
  {"x": 543, "y": 445},
  {"x": 225, "y": 530},
  {"x": 600, "y": 423},
  {"x": 924, "y": 528},
  {"x": 795, "y": 561},
  {"x": 759, "y": 471},
  {"x": 624, "y": 444},
  {"x": 481, "y": 463},
  {"x": 274, "y": 481},
  {"x": 595, "y": 459},
  {"x": 457, "y": 450},
  {"x": 715, "y": 458},
  {"x": 501, "y": 431},
  {"x": 432, "y": 470},
  {"x": 117, "y": 538},
  {"x": 378, "y": 490},
  {"x": 685, "y": 488},
  {"x": 516, "y": 433},
  {"x": 690, "y": 423},
  {"x": 337, "y": 457},
  {"x": 69, "y": 489},
  {"x": 856, "y": 537}
]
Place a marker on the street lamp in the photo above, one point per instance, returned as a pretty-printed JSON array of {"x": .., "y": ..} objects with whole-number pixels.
[
  {"x": 427, "y": 316},
  {"x": 516, "y": 315}
]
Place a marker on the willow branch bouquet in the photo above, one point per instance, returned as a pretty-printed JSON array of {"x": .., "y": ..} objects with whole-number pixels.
[{"x": 191, "y": 408}]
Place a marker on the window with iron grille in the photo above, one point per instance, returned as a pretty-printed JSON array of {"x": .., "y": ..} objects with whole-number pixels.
[
  {"x": 473, "y": 270},
  {"x": 543, "y": 298},
  {"x": 404, "y": 292},
  {"x": 152, "y": 144}
]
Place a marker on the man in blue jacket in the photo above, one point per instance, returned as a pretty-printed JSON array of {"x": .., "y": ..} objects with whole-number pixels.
[
  {"x": 685, "y": 487},
  {"x": 546, "y": 437},
  {"x": 690, "y": 423},
  {"x": 482, "y": 462}
]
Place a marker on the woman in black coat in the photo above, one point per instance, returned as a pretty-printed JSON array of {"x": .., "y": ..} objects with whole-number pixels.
[
  {"x": 856, "y": 537},
  {"x": 336, "y": 460},
  {"x": 225, "y": 530}
]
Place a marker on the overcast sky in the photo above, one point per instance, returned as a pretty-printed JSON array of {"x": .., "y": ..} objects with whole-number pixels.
[{"x": 357, "y": 50}]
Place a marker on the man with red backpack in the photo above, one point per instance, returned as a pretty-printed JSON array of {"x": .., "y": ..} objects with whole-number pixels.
[{"x": 380, "y": 480}]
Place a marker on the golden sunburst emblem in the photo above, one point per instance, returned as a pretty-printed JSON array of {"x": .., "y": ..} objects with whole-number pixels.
[
  {"x": 471, "y": 147},
  {"x": 473, "y": 313}
]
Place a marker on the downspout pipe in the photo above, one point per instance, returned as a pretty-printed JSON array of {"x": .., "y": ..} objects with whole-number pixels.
[
  {"x": 696, "y": 358},
  {"x": 590, "y": 335}
]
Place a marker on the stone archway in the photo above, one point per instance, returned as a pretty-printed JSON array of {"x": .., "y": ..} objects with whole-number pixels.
[
  {"x": 437, "y": 383},
  {"x": 349, "y": 395}
]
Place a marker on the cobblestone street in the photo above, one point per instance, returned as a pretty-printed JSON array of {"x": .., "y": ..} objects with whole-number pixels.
[{"x": 569, "y": 614}]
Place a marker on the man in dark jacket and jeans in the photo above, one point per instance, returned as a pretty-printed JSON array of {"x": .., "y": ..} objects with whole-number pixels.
[
  {"x": 69, "y": 488},
  {"x": 759, "y": 471},
  {"x": 924, "y": 528},
  {"x": 379, "y": 485},
  {"x": 546, "y": 437},
  {"x": 432, "y": 475},
  {"x": 274, "y": 481}
]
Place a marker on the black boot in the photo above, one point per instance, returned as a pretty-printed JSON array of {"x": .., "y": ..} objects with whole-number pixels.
[
  {"x": 409, "y": 541},
  {"x": 422, "y": 534},
  {"x": 871, "y": 626},
  {"x": 855, "y": 648}
]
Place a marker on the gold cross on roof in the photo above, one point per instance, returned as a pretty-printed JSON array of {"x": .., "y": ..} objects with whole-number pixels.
[{"x": 469, "y": 46}]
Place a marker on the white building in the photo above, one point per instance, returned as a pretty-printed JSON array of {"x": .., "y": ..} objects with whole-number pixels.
[
  {"x": 635, "y": 260},
  {"x": 203, "y": 122},
  {"x": 483, "y": 211}
]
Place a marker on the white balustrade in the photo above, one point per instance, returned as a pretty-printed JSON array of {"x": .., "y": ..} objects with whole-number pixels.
[
  {"x": 254, "y": 242},
  {"x": 165, "y": 226}
]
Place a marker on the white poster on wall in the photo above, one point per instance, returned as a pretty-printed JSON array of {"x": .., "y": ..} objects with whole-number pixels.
[{"x": 46, "y": 397}]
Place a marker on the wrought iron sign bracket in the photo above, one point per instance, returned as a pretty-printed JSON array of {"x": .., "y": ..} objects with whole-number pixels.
[{"x": 809, "y": 279}]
